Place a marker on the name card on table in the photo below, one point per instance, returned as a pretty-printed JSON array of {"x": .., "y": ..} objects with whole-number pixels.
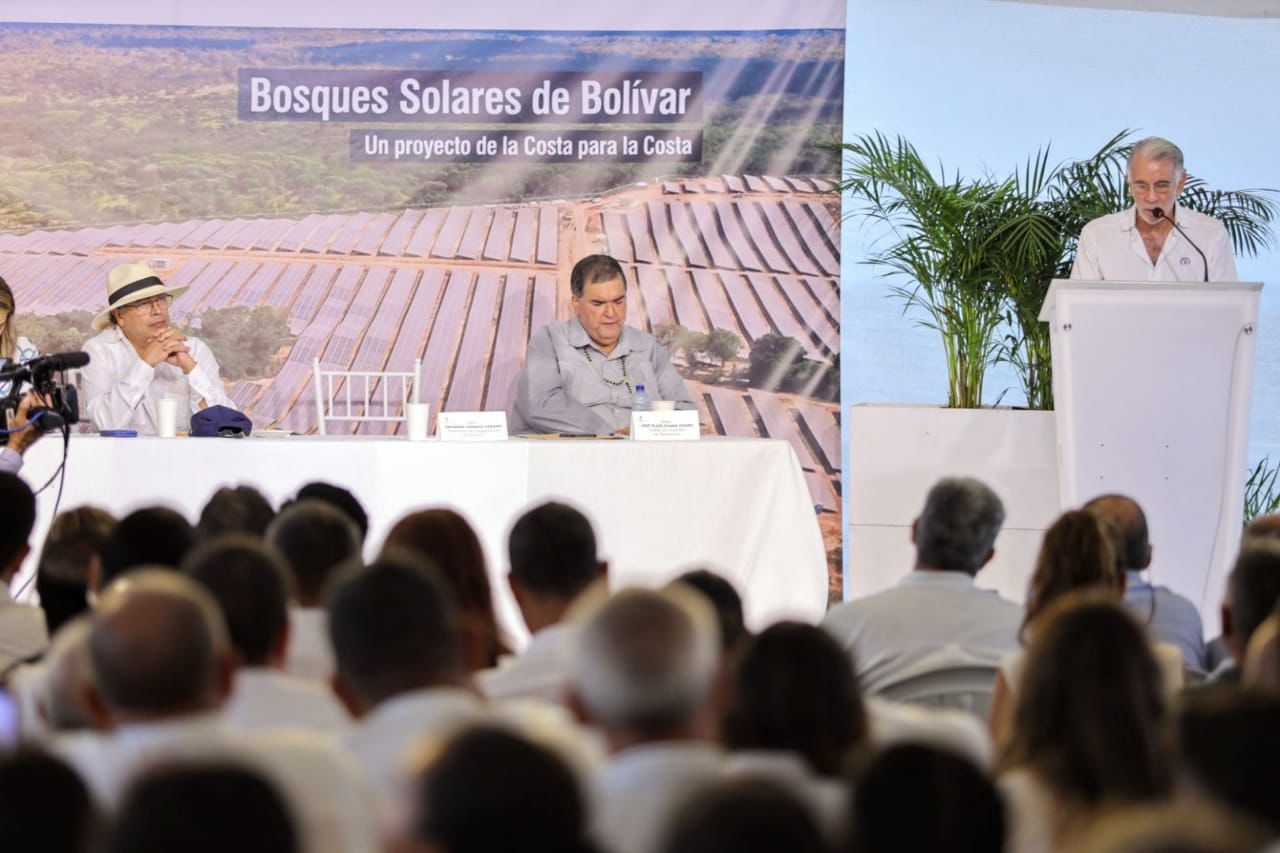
[
  {"x": 471, "y": 426},
  {"x": 665, "y": 426}
]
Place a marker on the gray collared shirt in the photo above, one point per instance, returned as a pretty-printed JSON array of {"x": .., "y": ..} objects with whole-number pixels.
[{"x": 569, "y": 386}]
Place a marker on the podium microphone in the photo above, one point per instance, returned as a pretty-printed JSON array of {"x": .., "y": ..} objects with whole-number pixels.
[{"x": 1158, "y": 213}]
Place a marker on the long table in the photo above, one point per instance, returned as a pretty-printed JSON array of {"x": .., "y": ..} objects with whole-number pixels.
[{"x": 737, "y": 505}]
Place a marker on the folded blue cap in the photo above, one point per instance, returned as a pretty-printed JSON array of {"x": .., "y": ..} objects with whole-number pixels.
[{"x": 220, "y": 421}]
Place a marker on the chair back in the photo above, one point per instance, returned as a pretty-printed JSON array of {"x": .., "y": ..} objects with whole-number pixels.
[{"x": 363, "y": 395}]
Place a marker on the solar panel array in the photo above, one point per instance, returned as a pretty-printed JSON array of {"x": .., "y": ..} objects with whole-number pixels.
[{"x": 462, "y": 288}]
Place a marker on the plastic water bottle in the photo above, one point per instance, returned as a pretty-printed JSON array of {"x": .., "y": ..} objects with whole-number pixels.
[{"x": 640, "y": 400}]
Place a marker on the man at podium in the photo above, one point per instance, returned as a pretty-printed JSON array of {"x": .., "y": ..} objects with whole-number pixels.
[{"x": 1156, "y": 239}]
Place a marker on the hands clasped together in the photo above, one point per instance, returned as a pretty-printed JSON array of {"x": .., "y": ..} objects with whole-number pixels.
[{"x": 168, "y": 345}]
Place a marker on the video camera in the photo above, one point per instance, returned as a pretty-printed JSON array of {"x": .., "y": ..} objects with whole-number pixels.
[{"x": 44, "y": 374}]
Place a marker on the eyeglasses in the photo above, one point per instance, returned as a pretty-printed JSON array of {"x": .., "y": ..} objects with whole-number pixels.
[
  {"x": 146, "y": 305},
  {"x": 1142, "y": 187}
]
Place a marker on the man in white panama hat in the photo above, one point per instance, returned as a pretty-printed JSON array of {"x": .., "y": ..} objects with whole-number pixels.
[{"x": 138, "y": 358}]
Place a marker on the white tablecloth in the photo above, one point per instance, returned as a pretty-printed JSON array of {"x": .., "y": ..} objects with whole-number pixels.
[{"x": 738, "y": 505}]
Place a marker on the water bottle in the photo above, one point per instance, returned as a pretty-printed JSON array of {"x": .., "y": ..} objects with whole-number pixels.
[{"x": 640, "y": 400}]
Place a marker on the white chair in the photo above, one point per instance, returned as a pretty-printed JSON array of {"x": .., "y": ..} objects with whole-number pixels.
[
  {"x": 960, "y": 688},
  {"x": 364, "y": 395}
]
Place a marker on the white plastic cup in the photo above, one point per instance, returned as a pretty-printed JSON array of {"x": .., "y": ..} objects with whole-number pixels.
[
  {"x": 167, "y": 417},
  {"x": 663, "y": 405},
  {"x": 415, "y": 415}
]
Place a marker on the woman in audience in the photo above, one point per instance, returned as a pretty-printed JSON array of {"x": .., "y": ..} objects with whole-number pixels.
[
  {"x": 915, "y": 798},
  {"x": 1085, "y": 733},
  {"x": 794, "y": 714},
  {"x": 1078, "y": 553},
  {"x": 490, "y": 789},
  {"x": 445, "y": 538}
]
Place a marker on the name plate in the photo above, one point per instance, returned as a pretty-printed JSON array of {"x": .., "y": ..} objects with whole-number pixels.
[
  {"x": 471, "y": 426},
  {"x": 665, "y": 426}
]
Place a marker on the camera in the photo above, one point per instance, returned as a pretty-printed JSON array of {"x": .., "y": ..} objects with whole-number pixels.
[{"x": 45, "y": 375}]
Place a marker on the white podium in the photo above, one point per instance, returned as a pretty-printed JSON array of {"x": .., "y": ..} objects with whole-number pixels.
[{"x": 1152, "y": 384}]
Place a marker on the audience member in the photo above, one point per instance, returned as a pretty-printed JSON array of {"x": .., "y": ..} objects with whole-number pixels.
[
  {"x": 1263, "y": 527},
  {"x": 1262, "y": 657},
  {"x": 249, "y": 582},
  {"x": 1172, "y": 828},
  {"x": 914, "y": 798},
  {"x": 794, "y": 715},
  {"x": 552, "y": 550},
  {"x": 1253, "y": 589},
  {"x": 340, "y": 499},
  {"x": 1229, "y": 744},
  {"x": 70, "y": 558},
  {"x": 154, "y": 536},
  {"x": 725, "y": 600},
  {"x": 66, "y": 680},
  {"x": 1170, "y": 617},
  {"x": 316, "y": 541},
  {"x": 1086, "y": 726},
  {"x": 642, "y": 673},
  {"x": 203, "y": 808},
  {"x": 743, "y": 816},
  {"x": 446, "y": 539},
  {"x": 935, "y": 618},
  {"x": 489, "y": 790},
  {"x": 162, "y": 668},
  {"x": 44, "y": 806},
  {"x": 397, "y": 644},
  {"x": 238, "y": 509},
  {"x": 22, "y": 628}
]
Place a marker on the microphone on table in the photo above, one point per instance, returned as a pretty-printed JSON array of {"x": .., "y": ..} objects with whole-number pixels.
[{"x": 1158, "y": 213}]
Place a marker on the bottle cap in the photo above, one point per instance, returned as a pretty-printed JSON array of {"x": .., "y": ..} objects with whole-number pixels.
[{"x": 639, "y": 387}]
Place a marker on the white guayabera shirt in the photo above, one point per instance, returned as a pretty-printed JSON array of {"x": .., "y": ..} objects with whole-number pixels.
[
  {"x": 121, "y": 390},
  {"x": 1111, "y": 249}
]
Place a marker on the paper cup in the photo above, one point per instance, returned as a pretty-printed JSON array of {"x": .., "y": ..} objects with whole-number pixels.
[
  {"x": 663, "y": 405},
  {"x": 167, "y": 417},
  {"x": 416, "y": 420}
]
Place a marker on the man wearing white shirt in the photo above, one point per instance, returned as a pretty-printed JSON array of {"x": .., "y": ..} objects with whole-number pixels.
[
  {"x": 553, "y": 560},
  {"x": 397, "y": 644},
  {"x": 248, "y": 581},
  {"x": 644, "y": 665},
  {"x": 139, "y": 358},
  {"x": 22, "y": 626},
  {"x": 935, "y": 618},
  {"x": 1141, "y": 243},
  {"x": 162, "y": 669}
]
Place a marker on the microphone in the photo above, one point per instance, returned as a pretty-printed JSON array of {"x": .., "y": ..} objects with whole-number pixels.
[
  {"x": 1158, "y": 213},
  {"x": 45, "y": 363}
]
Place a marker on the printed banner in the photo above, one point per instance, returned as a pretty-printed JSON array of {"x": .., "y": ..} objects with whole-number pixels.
[{"x": 375, "y": 199}]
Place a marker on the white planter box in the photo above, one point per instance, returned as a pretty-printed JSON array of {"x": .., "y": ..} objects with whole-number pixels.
[{"x": 896, "y": 453}]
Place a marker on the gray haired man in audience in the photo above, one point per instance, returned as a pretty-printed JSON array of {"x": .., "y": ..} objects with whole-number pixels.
[
  {"x": 935, "y": 618},
  {"x": 162, "y": 669},
  {"x": 643, "y": 672},
  {"x": 1170, "y": 617}
]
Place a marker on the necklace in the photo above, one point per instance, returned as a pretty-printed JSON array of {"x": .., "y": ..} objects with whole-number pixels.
[{"x": 625, "y": 381}]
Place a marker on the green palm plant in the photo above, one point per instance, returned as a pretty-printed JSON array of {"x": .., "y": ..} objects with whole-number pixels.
[{"x": 942, "y": 232}]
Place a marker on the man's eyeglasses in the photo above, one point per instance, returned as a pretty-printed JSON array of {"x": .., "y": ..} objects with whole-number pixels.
[
  {"x": 1142, "y": 188},
  {"x": 146, "y": 305}
]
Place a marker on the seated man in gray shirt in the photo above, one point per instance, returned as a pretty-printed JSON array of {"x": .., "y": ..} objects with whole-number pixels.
[{"x": 579, "y": 374}]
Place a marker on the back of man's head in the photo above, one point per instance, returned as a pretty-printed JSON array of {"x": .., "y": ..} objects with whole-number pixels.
[
  {"x": 16, "y": 522},
  {"x": 67, "y": 675},
  {"x": 343, "y": 500},
  {"x": 957, "y": 528},
  {"x": 71, "y": 549},
  {"x": 239, "y": 509},
  {"x": 158, "y": 647},
  {"x": 249, "y": 582},
  {"x": 204, "y": 808},
  {"x": 552, "y": 549},
  {"x": 1253, "y": 588},
  {"x": 394, "y": 629},
  {"x": 1131, "y": 524},
  {"x": 44, "y": 805},
  {"x": 726, "y": 602},
  {"x": 1230, "y": 749},
  {"x": 1264, "y": 526},
  {"x": 155, "y": 536},
  {"x": 315, "y": 539},
  {"x": 645, "y": 660},
  {"x": 744, "y": 816}
]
